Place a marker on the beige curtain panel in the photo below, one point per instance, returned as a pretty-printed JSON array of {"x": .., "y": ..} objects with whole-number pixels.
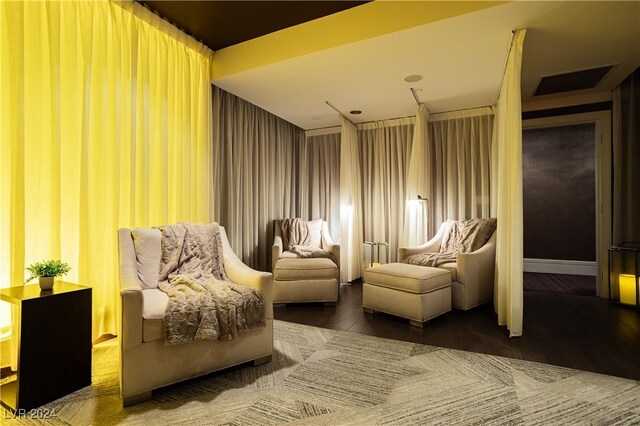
[
  {"x": 351, "y": 210},
  {"x": 385, "y": 152},
  {"x": 507, "y": 176},
  {"x": 320, "y": 179},
  {"x": 255, "y": 181},
  {"x": 416, "y": 221},
  {"x": 459, "y": 172}
]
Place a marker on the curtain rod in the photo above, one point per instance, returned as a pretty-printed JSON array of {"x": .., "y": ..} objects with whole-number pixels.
[
  {"x": 339, "y": 112},
  {"x": 506, "y": 64},
  {"x": 415, "y": 95}
]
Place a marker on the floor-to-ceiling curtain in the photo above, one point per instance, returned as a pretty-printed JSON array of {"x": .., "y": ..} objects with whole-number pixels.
[
  {"x": 626, "y": 160},
  {"x": 507, "y": 207},
  {"x": 385, "y": 150},
  {"x": 104, "y": 123},
  {"x": 319, "y": 178},
  {"x": 459, "y": 166},
  {"x": 418, "y": 191},
  {"x": 351, "y": 209},
  {"x": 256, "y": 165}
]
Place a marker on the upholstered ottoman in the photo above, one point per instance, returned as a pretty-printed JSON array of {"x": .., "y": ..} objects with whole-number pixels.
[
  {"x": 305, "y": 280},
  {"x": 418, "y": 293}
]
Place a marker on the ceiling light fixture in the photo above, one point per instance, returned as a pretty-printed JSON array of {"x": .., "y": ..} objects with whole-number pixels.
[
  {"x": 413, "y": 78},
  {"x": 355, "y": 112}
]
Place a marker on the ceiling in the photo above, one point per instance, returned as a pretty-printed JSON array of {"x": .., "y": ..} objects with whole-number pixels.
[
  {"x": 460, "y": 54},
  {"x": 220, "y": 24}
]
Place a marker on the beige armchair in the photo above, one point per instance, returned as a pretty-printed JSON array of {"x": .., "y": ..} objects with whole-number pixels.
[
  {"x": 471, "y": 275},
  {"x": 146, "y": 363},
  {"x": 326, "y": 243},
  {"x": 298, "y": 279}
]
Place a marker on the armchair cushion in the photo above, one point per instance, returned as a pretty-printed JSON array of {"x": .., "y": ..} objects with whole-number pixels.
[
  {"x": 305, "y": 269},
  {"x": 289, "y": 255},
  {"x": 452, "y": 267}
]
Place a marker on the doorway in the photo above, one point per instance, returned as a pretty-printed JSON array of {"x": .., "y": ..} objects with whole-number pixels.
[{"x": 566, "y": 201}]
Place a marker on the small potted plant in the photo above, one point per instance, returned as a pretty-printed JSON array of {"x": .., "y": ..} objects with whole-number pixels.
[{"x": 46, "y": 271}]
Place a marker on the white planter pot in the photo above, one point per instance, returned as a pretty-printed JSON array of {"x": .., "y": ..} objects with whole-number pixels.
[{"x": 46, "y": 283}]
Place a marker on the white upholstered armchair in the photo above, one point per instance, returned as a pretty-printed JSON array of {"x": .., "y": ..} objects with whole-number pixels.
[
  {"x": 471, "y": 275},
  {"x": 145, "y": 362},
  {"x": 320, "y": 237},
  {"x": 311, "y": 279}
]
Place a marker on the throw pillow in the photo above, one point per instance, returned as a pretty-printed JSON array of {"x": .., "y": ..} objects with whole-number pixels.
[{"x": 147, "y": 243}]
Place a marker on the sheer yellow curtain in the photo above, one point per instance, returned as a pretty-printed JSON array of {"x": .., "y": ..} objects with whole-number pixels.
[{"x": 105, "y": 123}]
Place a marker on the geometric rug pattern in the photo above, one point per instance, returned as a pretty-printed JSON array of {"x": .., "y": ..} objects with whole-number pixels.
[{"x": 328, "y": 377}]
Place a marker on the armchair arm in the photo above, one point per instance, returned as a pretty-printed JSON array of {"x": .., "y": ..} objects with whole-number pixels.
[
  {"x": 240, "y": 273},
  {"x": 276, "y": 250},
  {"x": 475, "y": 271},
  {"x": 470, "y": 265},
  {"x": 130, "y": 293},
  {"x": 431, "y": 246},
  {"x": 329, "y": 245}
]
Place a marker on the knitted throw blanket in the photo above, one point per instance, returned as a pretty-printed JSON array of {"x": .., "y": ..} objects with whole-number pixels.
[
  {"x": 297, "y": 239},
  {"x": 464, "y": 236},
  {"x": 203, "y": 303},
  {"x": 295, "y": 232}
]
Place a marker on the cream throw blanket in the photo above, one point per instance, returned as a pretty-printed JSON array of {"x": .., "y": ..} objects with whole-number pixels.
[
  {"x": 297, "y": 239},
  {"x": 464, "y": 236},
  {"x": 203, "y": 303}
]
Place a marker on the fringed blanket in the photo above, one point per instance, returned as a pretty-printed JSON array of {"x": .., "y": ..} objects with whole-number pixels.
[
  {"x": 297, "y": 239},
  {"x": 463, "y": 236},
  {"x": 203, "y": 303}
]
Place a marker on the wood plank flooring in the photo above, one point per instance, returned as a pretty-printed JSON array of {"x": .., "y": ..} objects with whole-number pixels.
[
  {"x": 581, "y": 285},
  {"x": 582, "y": 332}
]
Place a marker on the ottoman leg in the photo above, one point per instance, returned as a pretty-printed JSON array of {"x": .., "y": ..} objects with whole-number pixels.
[
  {"x": 368, "y": 310},
  {"x": 416, "y": 323}
]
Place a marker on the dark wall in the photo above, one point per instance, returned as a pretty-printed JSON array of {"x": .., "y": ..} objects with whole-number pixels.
[
  {"x": 626, "y": 165},
  {"x": 558, "y": 167}
]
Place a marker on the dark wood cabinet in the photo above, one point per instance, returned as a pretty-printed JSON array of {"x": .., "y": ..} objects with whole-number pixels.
[{"x": 54, "y": 350}]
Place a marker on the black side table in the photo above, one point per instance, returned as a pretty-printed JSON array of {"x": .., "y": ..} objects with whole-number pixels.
[{"x": 54, "y": 351}]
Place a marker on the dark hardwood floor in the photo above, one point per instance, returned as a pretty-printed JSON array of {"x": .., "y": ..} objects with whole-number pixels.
[
  {"x": 583, "y": 332},
  {"x": 582, "y": 285}
]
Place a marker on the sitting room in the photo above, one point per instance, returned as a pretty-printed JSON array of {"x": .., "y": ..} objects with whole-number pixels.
[{"x": 319, "y": 212}]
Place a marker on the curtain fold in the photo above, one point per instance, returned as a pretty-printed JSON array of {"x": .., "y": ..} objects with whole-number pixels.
[
  {"x": 351, "y": 209},
  {"x": 626, "y": 157},
  {"x": 320, "y": 179},
  {"x": 256, "y": 159},
  {"x": 416, "y": 225},
  {"x": 507, "y": 151},
  {"x": 459, "y": 173},
  {"x": 385, "y": 150},
  {"x": 105, "y": 123}
]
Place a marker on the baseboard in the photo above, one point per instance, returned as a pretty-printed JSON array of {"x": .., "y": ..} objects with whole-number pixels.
[{"x": 567, "y": 267}]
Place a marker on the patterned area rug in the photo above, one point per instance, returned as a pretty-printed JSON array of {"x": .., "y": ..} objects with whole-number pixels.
[{"x": 327, "y": 377}]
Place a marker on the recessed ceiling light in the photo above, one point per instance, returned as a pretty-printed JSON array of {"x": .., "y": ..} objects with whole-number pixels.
[
  {"x": 413, "y": 78},
  {"x": 355, "y": 112}
]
